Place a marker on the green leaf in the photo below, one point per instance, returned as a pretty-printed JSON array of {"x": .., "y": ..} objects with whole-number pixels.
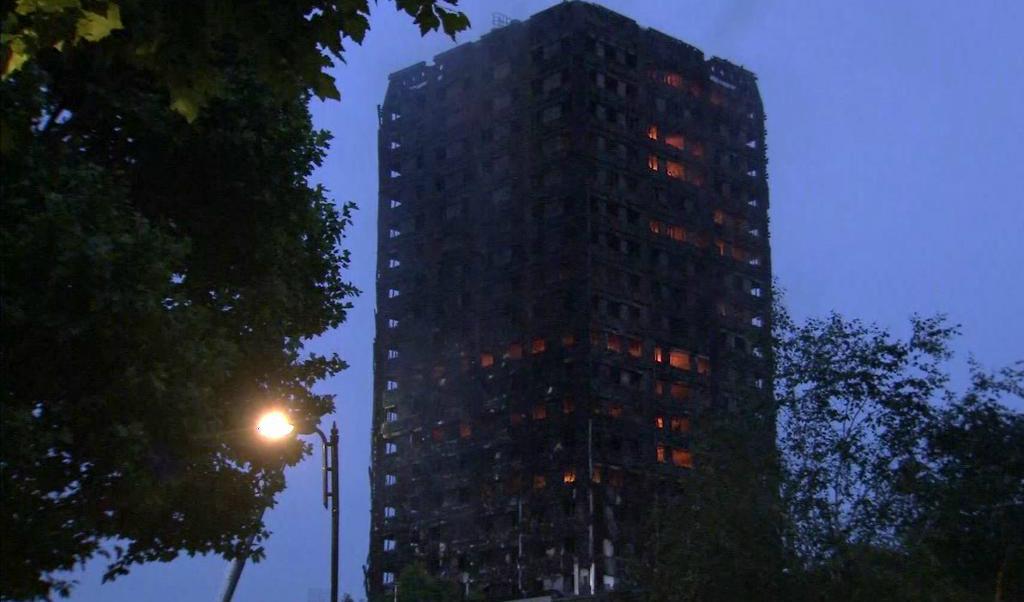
[
  {"x": 17, "y": 54},
  {"x": 326, "y": 88},
  {"x": 27, "y": 7},
  {"x": 94, "y": 26},
  {"x": 186, "y": 102},
  {"x": 453, "y": 23}
]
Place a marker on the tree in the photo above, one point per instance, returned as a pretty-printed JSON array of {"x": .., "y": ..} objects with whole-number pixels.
[
  {"x": 159, "y": 279},
  {"x": 853, "y": 400},
  {"x": 415, "y": 584},
  {"x": 288, "y": 45},
  {"x": 896, "y": 488},
  {"x": 972, "y": 494},
  {"x": 717, "y": 537},
  {"x": 889, "y": 485}
]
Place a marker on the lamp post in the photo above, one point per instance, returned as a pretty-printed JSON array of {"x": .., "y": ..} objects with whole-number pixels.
[{"x": 276, "y": 425}]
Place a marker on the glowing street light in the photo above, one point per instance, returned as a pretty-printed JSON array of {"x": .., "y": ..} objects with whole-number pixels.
[{"x": 273, "y": 426}]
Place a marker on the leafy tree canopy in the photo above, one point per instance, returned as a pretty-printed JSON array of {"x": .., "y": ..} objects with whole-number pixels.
[
  {"x": 178, "y": 45},
  {"x": 415, "y": 584},
  {"x": 160, "y": 278},
  {"x": 886, "y": 484}
]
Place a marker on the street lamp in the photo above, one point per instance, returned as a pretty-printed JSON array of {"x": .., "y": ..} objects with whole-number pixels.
[{"x": 274, "y": 426}]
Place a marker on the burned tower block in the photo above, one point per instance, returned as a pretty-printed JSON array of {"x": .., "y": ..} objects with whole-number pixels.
[{"x": 573, "y": 258}]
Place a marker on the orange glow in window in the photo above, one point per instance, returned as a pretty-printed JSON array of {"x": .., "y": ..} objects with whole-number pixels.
[
  {"x": 674, "y": 79},
  {"x": 515, "y": 351},
  {"x": 539, "y": 482},
  {"x": 568, "y": 406},
  {"x": 539, "y": 346},
  {"x": 659, "y": 422},
  {"x": 539, "y": 412},
  {"x": 569, "y": 476},
  {"x": 660, "y": 451},
  {"x": 614, "y": 344},
  {"x": 595, "y": 476},
  {"x": 676, "y": 141},
  {"x": 720, "y": 244},
  {"x": 677, "y": 233},
  {"x": 658, "y": 357},
  {"x": 682, "y": 457},
  {"x": 719, "y": 217},
  {"x": 679, "y": 359},
  {"x": 675, "y": 170},
  {"x": 465, "y": 430},
  {"x": 615, "y": 411},
  {"x": 655, "y": 226},
  {"x": 680, "y": 391},
  {"x": 659, "y": 388},
  {"x": 652, "y": 132},
  {"x": 568, "y": 340},
  {"x": 652, "y": 162},
  {"x": 486, "y": 360}
]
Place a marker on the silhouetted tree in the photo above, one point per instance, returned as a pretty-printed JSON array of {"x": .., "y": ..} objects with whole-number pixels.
[
  {"x": 165, "y": 258},
  {"x": 886, "y": 486}
]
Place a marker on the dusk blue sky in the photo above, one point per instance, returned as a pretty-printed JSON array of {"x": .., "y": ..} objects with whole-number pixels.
[{"x": 895, "y": 136}]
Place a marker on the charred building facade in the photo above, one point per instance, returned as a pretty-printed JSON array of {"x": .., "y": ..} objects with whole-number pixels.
[{"x": 573, "y": 256}]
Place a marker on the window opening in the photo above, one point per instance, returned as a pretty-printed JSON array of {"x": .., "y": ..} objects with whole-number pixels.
[
  {"x": 682, "y": 457},
  {"x": 675, "y": 170},
  {"x": 680, "y": 424},
  {"x": 679, "y": 359},
  {"x": 703, "y": 365},
  {"x": 680, "y": 391}
]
